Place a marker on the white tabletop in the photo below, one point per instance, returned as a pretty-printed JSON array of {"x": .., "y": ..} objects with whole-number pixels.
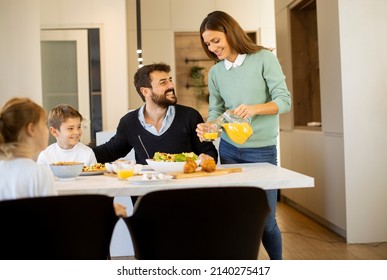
[{"x": 263, "y": 175}]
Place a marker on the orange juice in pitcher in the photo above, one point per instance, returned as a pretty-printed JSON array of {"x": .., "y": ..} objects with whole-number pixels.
[
  {"x": 237, "y": 129},
  {"x": 238, "y": 132}
]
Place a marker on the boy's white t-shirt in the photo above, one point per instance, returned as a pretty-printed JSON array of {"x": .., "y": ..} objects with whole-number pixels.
[
  {"x": 79, "y": 153},
  {"x": 22, "y": 177}
]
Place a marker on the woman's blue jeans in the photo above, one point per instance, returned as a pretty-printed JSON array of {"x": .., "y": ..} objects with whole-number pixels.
[{"x": 271, "y": 239}]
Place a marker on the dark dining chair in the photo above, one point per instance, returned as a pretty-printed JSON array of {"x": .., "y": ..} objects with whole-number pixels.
[
  {"x": 199, "y": 224},
  {"x": 72, "y": 227}
]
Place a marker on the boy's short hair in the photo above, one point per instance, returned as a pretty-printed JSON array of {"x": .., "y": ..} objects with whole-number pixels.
[{"x": 60, "y": 113}]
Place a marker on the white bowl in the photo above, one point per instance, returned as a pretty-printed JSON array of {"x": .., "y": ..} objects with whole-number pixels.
[
  {"x": 66, "y": 170},
  {"x": 164, "y": 166},
  {"x": 109, "y": 167},
  {"x": 114, "y": 167}
]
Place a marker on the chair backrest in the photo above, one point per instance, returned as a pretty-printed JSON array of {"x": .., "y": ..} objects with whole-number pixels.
[
  {"x": 104, "y": 136},
  {"x": 57, "y": 227},
  {"x": 201, "y": 223}
]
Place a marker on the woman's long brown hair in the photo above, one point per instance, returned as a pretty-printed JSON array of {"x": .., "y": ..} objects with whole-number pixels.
[{"x": 236, "y": 36}]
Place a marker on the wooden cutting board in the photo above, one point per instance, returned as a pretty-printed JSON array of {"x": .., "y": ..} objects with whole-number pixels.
[{"x": 199, "y": 173}]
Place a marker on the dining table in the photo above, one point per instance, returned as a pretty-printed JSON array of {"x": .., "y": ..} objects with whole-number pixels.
[{"x": 262, "y": 175}]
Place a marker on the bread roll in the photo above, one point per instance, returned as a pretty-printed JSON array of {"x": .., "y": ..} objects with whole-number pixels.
[
  {"x": 208, "y": 165},
  {"x": 190, "y": 166}
]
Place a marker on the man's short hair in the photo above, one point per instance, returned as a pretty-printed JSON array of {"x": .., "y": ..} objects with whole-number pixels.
[{"x": 142, "y": 77}]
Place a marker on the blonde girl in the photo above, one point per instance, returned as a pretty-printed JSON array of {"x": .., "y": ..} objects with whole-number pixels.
[{"x": 23, "y": 135}]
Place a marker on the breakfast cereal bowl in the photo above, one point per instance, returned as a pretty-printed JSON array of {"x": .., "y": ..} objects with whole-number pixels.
[
  {"x": 66, "y": 170},
  {"x": 166, "y": 166}
]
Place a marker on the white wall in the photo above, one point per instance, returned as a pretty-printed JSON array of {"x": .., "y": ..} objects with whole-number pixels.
[
  {"x": 363, "y": 47},
  {"x": 20, "y": 72}
]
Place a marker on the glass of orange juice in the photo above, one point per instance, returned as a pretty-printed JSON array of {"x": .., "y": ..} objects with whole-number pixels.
[
  {"x": 210, "y": 131},
  {"x": 125, "y": 169}
]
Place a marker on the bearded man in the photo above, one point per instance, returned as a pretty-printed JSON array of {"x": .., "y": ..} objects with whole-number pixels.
[{"x": 160, "y": 125}]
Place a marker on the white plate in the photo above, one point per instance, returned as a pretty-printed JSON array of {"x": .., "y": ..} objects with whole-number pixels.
[
  {"x": 138, "y": 180},
  {"x": 146, "y": 168},
  {"x": 164, "y": 166},
  {"x": 90, "y": 173}
]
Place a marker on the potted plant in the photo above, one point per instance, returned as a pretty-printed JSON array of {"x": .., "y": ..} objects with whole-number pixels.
[{"x": 197, "y": 79}]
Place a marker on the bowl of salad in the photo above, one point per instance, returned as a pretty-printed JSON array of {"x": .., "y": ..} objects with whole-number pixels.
[{"x": 165, "y": 162}]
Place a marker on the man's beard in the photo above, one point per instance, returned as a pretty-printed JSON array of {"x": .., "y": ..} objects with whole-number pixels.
[{"x": 162, "y": 100}]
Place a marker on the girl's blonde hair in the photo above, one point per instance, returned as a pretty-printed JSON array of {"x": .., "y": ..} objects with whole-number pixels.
[
  {"x": 235, "y": 35},
  {"x": 15, "y": 116}
]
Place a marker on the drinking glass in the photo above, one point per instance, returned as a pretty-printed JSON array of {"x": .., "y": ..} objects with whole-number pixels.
[
  {"x": 125, "y": 169},
  {"x": 210, "y": 131}
]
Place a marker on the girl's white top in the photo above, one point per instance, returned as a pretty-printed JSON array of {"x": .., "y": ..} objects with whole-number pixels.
[{"x": 23, "y": 177}]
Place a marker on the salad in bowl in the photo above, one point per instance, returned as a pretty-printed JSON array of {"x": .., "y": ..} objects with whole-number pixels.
[{"x": 165, "y": 162}]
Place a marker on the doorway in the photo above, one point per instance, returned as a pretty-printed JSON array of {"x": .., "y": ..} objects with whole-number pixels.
[{"x": 71, "y": 75}]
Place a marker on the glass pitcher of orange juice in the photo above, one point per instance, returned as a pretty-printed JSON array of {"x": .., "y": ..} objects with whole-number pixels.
[{"x": 237, "y": 128}]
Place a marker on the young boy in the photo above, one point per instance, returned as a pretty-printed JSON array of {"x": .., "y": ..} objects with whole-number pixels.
[{"x": 65, "y": 124}]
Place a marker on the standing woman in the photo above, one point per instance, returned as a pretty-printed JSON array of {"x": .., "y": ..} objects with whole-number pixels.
[
  {"x": 23, "y": 135},
  {"x": 247, "y": 79}
]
